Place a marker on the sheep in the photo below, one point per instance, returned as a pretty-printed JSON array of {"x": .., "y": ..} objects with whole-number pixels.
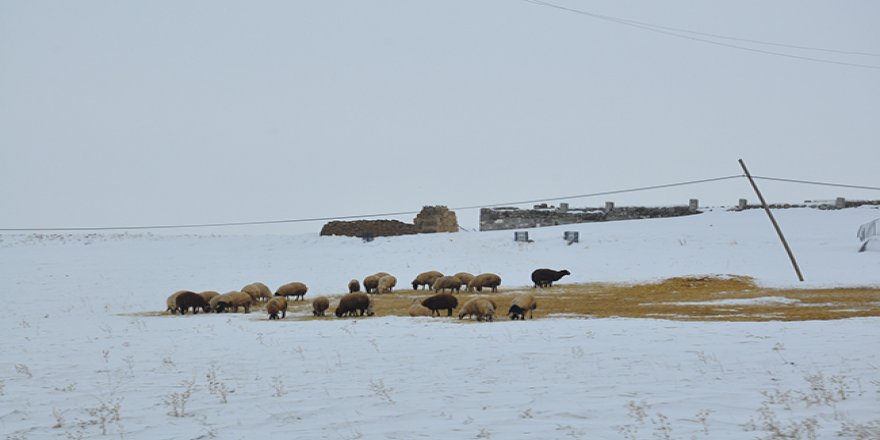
[
  {"x": 208, "y": 295},
  {"x": 371, "y": 283},
  {"x": 520, "y": 305},
  {"x": 439, "y": 302},
  {"x": 464, "y": 277},
  {"x": 275, "y": 305},
  {"x": 386, "y": 283},
  {"x": 186, "y": 300},
  {"x": 546, "y": 277},
  {"x": 480, "y": 307},
  {"x": 416, "y": 309},
  {"x": 295, "y": 289},
  {"x": 354, "y": 286},
  {"x": 484, "y": 280},
  {"x": 320, "y": 305},
  {"x": 258, "y": 291},
  {"x": 354, "y": 302},
  {"x": 448, "y": 282},
  {"x": 426, "y": 279},
  {"x": 171, "y": 302},
  {"x": 232, "y": 300}
]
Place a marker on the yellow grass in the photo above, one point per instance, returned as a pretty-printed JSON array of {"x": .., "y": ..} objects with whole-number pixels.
[{"x": 675, "y": 298}]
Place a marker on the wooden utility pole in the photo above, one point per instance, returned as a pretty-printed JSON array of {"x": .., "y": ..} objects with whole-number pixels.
[{"x": 772, "y": 220}]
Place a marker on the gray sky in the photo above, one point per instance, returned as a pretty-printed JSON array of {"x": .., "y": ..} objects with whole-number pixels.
[{"x": 139, "y": 113}]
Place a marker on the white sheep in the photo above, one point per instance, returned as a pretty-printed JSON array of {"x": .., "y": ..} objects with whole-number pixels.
[
  {"x": 520, "y": 305},
  {"x": 482, "y": 308},
  {"x": 386, "y": 283}
]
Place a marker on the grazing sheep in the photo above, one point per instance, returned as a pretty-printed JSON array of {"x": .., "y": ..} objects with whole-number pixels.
[
  {"x": 209, "y": 294},
  {"x": 416, "y": 309},
  {"x": 171, "y": 302},
  {"x": 354, "y": 286},
  {"x": 386, "y": 283},
  {"x": 448, "y": 282},
  {"x": 186, "y": 300},
  {"x": 231, "y": 300},
  {"x": 371, "y": 283},
  {"x": 484, "y": 280},
  {"x": 320, "y": 305},
  {"x": 439, "y": 302},
  {"x": 464, "y": 277},
  {"x": 275, "y": 305},
  {"x": 354, "y": 302},
  {"x": 546, "y": 277},
  {"x": 426, "y": 279},
  {"x": 520, "y": 305},
  {"x": 295, "y": 289},
  {"x": 257, "y": 291},
  {"x": 482, "y": 308}
]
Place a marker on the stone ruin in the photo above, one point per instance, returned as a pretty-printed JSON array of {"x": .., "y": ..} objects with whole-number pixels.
[{"x": 430, "y": 220}]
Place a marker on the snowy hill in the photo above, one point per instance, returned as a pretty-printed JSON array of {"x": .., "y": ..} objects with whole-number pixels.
[{"x": 79, "y": 359}]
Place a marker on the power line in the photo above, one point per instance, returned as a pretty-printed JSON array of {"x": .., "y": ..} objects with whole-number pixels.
[
  {"x": 459, "y": 208},
  {"x": 604, "y": 193},
  {"x": 809, "y": 182},
  {"x": 673, "y": 32},
  {"x": 352, "y": 217}
]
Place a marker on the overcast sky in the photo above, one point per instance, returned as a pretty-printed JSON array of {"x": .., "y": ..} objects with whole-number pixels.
[{"x": 165, "y": 112}]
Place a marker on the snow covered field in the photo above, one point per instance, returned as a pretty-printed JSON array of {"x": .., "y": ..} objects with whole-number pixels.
[{"x": 80, "y": 359}]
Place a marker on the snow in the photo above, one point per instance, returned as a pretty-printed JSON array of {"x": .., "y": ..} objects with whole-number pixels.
[{"x": 78, "y": 349}]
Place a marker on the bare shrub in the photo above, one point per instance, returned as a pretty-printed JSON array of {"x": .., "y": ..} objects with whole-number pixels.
[{"x": 177, "y": 401}]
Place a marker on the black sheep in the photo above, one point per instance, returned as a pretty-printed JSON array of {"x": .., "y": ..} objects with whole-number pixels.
[
  {"x": 439, "y": 302},
  {"x": 193, "y": 300},
  {"x": 546, "y": 277}
]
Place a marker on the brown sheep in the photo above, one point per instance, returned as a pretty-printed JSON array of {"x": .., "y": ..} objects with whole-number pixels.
[
  {"x": 208, "y": 295},
  {"x": 464, "y": 277},
  {"x": 354, "y": 303},
  {"x": 371, "y": 283},
  {"x": 320, "y": 305},
  {"x": 275, "y": 305},
  {"x": 295, "y": 289},
  {"x": 187, "y": 300},
  {"x": 231, "y": 300},
  {"x": 439, "y": 302},
  {"x": 354, "y": 286},
  {"x": 417, "y": 309},
  {"x": 171, "y": 302},
  {"x": 520, "y": 305},
  {"x": 484, "y": 280},
  {"x": 482, "y": 308},
  {"x": 257, "y": 291},
  {"x": 448, "y": 282},
  {"x": 426, "y": 279},
  {"x": 386, "y": 283}
]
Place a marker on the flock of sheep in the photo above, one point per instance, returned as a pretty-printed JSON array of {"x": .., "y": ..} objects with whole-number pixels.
[{"x": 357, "y": 303}]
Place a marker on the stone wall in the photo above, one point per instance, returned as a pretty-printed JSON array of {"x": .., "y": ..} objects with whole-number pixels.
[
  {"x": 431, "y": 219},
  {"x": 494, "y": 219}
]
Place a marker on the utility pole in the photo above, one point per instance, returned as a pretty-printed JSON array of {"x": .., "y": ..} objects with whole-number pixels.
[{"x": 772, "y": 220}]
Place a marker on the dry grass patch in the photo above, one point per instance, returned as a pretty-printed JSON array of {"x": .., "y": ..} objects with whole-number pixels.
[{"x": 728, "y": 298}]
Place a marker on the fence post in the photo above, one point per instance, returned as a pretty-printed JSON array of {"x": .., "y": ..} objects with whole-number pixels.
[
  {"x": 743, "y": 204},
  {"x": 693, "y": 205},
  {"x": 609, "y": 206},
  {"x": 840, "y": 203}
]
